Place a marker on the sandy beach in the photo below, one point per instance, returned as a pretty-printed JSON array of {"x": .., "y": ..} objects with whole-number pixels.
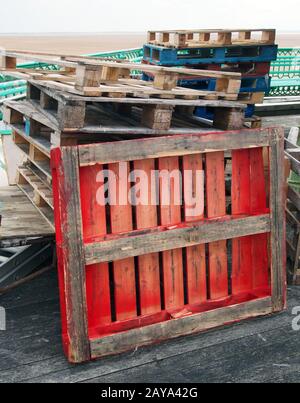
[{"x": 93, "y": 43}]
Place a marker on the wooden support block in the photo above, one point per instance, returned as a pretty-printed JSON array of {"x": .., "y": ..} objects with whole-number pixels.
[
  {"x": 35, "y": 154},
  {"x": 230, "y": 86},
  {"x": 109, "y": 74},
  {"x": 245, "y": 36},
  {"x": 151, "y": 36},
  {"x": 33, "y": 93},
  {"x": 229, "y": 119},
  {"x": 204, "y": 37},
  {"x": 7, "y": 62},
  {"x": 48, "y": 102},
  {"x": 269, "y": 36},
  {"x": 17, "y": 138},
  {"x": 34, "y": 128},
  {"x": 38, "y": 200},
  {"x": 180, "y": 39},
  {"x": 71, "y": 115},
  {"x": 87, "y": 76},
  {"x": 11, "y": 116},
  {"x": 163, "y": 81},
  {"x": 20, "y": 180},
  {"x": 157, "y": 117},
  {"x": 256, "y": 123},
  {"x": 164, "y": 37},
  {"x": 225, "y": 38}
]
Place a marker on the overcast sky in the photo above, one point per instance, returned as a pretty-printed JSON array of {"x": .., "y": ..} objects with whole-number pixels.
[{"x": 140, "y": 15}]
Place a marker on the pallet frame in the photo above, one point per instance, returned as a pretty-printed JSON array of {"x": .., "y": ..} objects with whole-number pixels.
[
  {"x": 73, "y": 256},
  {"x": 93, "y": 77},
  {"x": 202, "y": 38},
  {"x": 292, "y": 153},
  {"x": 161, "y": 56},
  {"x": 63, "y": 112}
]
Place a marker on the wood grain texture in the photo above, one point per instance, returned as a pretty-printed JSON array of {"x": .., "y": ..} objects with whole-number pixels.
[
  {"x": 277, "y": 205},
  {"x": 175, "y": 328},
  {"x": 148, "y": 265},
  {"x": 178, "y": 145},
  {"x": 216, "y": 207},
  {"x": 164, "y": 239},
  {"x": 71, "y": 254}
]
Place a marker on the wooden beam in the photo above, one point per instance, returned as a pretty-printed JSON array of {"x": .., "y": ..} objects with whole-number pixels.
[
  {"x": 277, "y": 201},
  {"x": 176, "y": 145},
  {"x": 171, "y": 329},
  {"x": 163, "y": 239},
  {"x": 70, "y": 246}
]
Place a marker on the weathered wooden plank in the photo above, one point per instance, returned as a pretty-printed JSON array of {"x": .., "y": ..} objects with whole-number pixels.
[
  {"x": 148, "y": 265},
  {"x": 163, "y": 239},
  {"x": 216, "y": 207},
  {"x": 277, "y": 206},
  {"x": 176, "y": 145},
  {"x": 71, "y": 253},
  {"x": 121, "y": 221},
  {"x": 170, "y": 214},
  {"x": 171, "y": 329},
  {"x": 94, "y": 224},
  {"x": 195, "y": 255}
]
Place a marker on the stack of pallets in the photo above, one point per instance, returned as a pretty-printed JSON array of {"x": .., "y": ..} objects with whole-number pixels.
[
  {"x": 155, "y": 239},
  {"x": 91, "y": 100},
  {"x": 249, "y": 52}
]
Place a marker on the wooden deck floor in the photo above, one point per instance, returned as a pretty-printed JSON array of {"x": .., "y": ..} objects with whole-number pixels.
[{"x": 260, "y": 350}]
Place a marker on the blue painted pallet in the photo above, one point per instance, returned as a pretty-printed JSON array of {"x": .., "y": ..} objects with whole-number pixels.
[
  {"x": 233, "y": 54},
  {"x": 249, "y": 84},
  {"x": 208, "y": 113}
]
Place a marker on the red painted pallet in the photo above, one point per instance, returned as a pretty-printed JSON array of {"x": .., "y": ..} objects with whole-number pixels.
[{"x": 168, "y": 255}]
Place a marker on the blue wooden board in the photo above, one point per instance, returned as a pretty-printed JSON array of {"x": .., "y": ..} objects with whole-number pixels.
[{"x": 183, "y": 57}]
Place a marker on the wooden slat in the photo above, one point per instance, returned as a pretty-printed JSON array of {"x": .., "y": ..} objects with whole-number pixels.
[
  {"x": 195, "y": 255},
  {"x": 71, "y": 253},
  {"x": 216, "y": 207},
  {"x": 148, "y": 265},
  {"x": 121, "y": 221},
  {"x": 170, "y": 213},
  {"x": 94, "y": 224},
  {"x": 277, "y": 205},
  {"x": 163, "y": 239},
  {"x": 175, "y": 145},
  {"x": 258, "y": 204},
  {"x": 242, "y": 266},
  {"x": 178, "y": 327}
]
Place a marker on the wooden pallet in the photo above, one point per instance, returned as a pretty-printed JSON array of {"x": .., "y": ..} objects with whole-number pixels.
[
  {"x": 36, "y": 149},
  {"x": 67, "y": 112},
  {"x": 92, "y": 77},
  {"x": 136, "y": 275},
  {"x": 251, "y": 98},
  {"x": 212, "y": 38},
  {"x": 21, "y": 223},
  {"x": 28, "y": 124},
  {"x": 292, "y": 152},
  {"x": 37, "y": 191}
]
